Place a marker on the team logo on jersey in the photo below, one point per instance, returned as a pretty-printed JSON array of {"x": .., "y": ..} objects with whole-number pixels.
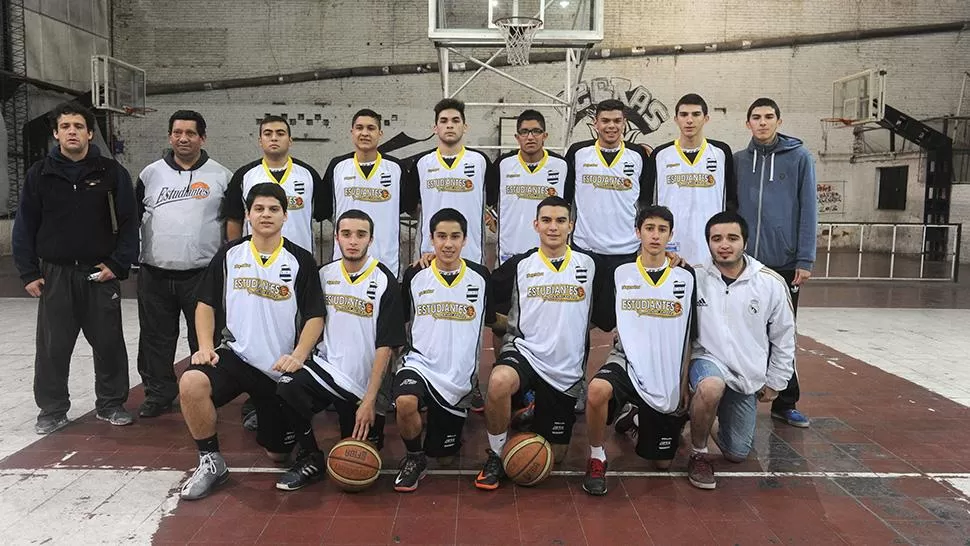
[
  {"x": 754, "y": 306},
  {"x": 446, "y": 310},
  {"x": 451, "y": 184},
  {"x": 582, "y": 274},
  {"x": 652, "y": 307},
  {"x": 680, "y": 288},
  {"x": 628, "y": 168},
  {"x": 197, "y": 190},
  {"x": 526, "y": 191},
  {"x": 299, "y": 187},
  {"x": 552, "y": 177},
  {"x": 262, "y": 288},
  {"x": 294, "y": 202},
  {"x": 691, "y": 180},
  {"x": 372, "y": 290},
  {"x": 371, "y": 195},
  {"x": 386, "y": 180},
  {"x": 286, "y": 274},
  {"x": 469, "y": 169},
  {"x": 472, "y": 293},
  {"x": 557, "y": 292},
  {"x": 608, "y": 182},
  {"x": 712, "y": 164},
  {"x": 350, "y": 305}
]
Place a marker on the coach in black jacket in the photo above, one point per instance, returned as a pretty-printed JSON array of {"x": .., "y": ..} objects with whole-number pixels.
[{"x": 75, "y": 236}]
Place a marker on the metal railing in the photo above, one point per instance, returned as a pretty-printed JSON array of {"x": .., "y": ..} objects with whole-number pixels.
[{"x": 898, "y": 256}]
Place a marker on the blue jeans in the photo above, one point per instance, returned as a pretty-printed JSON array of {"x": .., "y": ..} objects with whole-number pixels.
[{"x": 736, "y": 413}]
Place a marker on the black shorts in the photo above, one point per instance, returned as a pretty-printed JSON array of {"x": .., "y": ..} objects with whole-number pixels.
[
  {"x": 230, "y": 377},
  {"x": 604, "y": 285},
  {"x": 308, "y": 395},
  {"x": 658, "y": 435},
  {"x": 555, "y": 412},
  {"x": 442, "y": 436}
]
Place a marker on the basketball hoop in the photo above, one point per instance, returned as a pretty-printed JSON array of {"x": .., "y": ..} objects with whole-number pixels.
[{"x": 519, "y": 33}]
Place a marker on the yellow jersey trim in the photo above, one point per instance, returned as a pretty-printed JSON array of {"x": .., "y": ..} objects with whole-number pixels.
[
  {"x": 286, "y": 173},
  {"x": 437, "y": 273},
  {"x": 646, "y": 277},
  {"x": 616, "y": 159},
  {"x": 366, "y": 273},
  {"x": 542, "y": 162},
  {"x": 565, "y": 261},
  {"x": 441, "y": 160},
  {"x": 700, "y": 152},
  {"x": 272, "y": 257},
  {"x": 360, "y": 172}
]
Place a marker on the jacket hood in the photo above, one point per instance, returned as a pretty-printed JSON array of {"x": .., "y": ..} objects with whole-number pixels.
[
  {"x": 783, "y": 143},
  {"x": 56, "y": 155},
  {"x": 751, "y": 268},
  {"x": 169, "y": 158}
]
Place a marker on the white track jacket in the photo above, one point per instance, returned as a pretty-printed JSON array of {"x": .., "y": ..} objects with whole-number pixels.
[{"x": 748, "y": 328}]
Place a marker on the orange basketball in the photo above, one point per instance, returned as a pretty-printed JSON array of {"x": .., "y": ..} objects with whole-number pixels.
[
  {"x": 353, "y": 465},
  {"x": 527, "y": 458}
]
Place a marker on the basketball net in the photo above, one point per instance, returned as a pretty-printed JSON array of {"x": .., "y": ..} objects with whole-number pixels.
[{"x": 519, "y": 33}]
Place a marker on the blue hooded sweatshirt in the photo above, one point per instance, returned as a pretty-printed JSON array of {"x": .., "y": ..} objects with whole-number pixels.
[{"x": 778, "y": 198}]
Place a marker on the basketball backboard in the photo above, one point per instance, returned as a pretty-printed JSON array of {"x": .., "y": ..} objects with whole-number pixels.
[
  {"x": 860, "y": 98},
  {"x": 117, "y": 86},
  {"x": 472, "y": 22}
]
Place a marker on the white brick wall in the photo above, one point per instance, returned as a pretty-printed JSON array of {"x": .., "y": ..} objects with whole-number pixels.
[{"x": 295, "y": 36}]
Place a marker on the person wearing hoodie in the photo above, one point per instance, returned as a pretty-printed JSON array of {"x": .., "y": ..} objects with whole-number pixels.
[
  {"x": 179, "y": 198},
  {"x": 745, "y": 319},
  {"x": 74, "y": 237},
  {"x": 777, "y": 196}
]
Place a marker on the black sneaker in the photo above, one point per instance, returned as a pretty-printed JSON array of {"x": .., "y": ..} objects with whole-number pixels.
[
  {"x": 413, "y": 467},
  {"x": 47, "y": 424},
  {"x": 624, "y": 421},
  {"x": 478, "y": 401},
  {"x": 153, "y": 408},
  {"x": 250, "y": 422},
  {"x": 117, "y": 416},
  {"x": 309, "y": 467},
  {"x": 595, "y": 481},
  {"x": 492, "y": 473}
]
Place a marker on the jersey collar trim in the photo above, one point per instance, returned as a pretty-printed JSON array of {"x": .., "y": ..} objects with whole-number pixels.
[
  {"x": 360, "y": 173},
  {"x": 599, "y": 152},
  {"x": 700, "y": 152},
  {"x": 565, "y": 260},
  {"x": 272, "y": 257},
  {"x": 437, "y": 153},
  {"x": 542, "y": 162},
  {"x": 368, "y": 269},
  {"x": 286, "y": 173},
  {"x": 646, "y": 277},
  {"x": 437, "y": 273}
]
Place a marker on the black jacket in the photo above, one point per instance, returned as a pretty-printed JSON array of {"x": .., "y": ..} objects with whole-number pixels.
[{"x": 81, "y": 211}]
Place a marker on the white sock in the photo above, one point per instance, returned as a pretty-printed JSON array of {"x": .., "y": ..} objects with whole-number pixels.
[
  {"x": 700, "y": 449},
  {"x": 636, "y": 420},
  {"x": 597, "y": 452},
  {"x": 497, "y": 442}
]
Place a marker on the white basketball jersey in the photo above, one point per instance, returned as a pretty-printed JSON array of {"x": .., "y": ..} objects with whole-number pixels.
[
  {"x": 363, "y": 313},
  {"x": 378, "y": 194},
  {"x": 653, "y": 322},
  {"x": 548, "y": 321},
  {"x": 694, "y": 191},
  {"x": 446, "y": 326},
  {"x": 606, "y": 196},
  {"x": 264, "y": 303},
  {"x": 461, "y": 187},
  {"x": 520, "y": 191}
]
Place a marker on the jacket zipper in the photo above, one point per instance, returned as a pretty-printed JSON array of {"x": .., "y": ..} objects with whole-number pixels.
[{"x": 761, "y": 193}]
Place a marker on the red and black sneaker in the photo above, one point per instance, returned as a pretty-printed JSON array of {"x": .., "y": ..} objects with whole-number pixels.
[{"x": 595, "y": 482}]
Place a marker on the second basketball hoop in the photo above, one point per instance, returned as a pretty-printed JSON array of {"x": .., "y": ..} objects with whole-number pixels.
[{"x": 519, "y": 32}]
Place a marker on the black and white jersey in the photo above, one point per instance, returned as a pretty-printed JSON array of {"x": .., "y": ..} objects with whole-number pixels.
[
  {"x": 461, "y": 186},
  {"x": 375, "y": 189},
  {"x": 520, "y": 189},
  {"x": 548, "y": 320},
  {"x": 265, "y": 303},
  {"x": 304, "y": 191},
  {"x": 694, "y": 185},
  {"x": 364, "y": 313},
  {"x": 606, "y": 189},
  {"x": 655, "y": 323},
  {"x": 179, "y": 211},
  {"x": 447, "y": 312}
]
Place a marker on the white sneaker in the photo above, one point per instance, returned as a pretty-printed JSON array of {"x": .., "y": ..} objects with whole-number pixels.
[{"x": 211, "y": 472}]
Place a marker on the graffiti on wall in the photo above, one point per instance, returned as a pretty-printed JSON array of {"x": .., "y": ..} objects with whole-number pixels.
[
  {"x": 830, "y": 197},
  {"x": 645, "y": 113}
]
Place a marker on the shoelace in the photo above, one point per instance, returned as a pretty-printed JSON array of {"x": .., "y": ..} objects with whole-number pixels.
[
  {"x": 207, "y": 464},
  {"x": 597, "y": 469},
  {"x": 702, "y": 463},
  {"x": 493, "y": 465},
  {"x": 410, "y": 465}
]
